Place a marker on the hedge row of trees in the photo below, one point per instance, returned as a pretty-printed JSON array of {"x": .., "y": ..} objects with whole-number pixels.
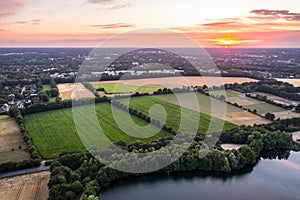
[
  {"x": 80, "y": 175},
  {"x": 42, "y": 107},
  {"x": 270, "y": 86}
]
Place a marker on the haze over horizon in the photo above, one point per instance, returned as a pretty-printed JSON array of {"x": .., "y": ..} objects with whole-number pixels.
[{"x": 86, "y": 23}]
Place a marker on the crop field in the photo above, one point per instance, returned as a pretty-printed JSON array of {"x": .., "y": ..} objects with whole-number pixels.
[
  {"x": 172, "y": 82},
  {"x": 113, "y": 88},
  {"x": 249, "y": 103},
  {"x": 228, "y": 93},
  {"x": 11, "y": 138},
  {"x": 66, "y": 91},
  {"x": 175, "y": 114},
  {"x": 295, "y": 82},
  {"x": 233, "y": 114},
  {"x": 25, "y": 187},
  {"x": 54, "y": 132},
  {"x": 277, "y": 99}
]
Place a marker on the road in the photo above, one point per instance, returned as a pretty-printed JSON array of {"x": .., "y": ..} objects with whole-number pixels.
[{"x": 26, "y": 171}]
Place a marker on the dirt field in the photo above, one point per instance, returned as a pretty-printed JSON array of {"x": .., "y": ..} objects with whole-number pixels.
[
  {"x": 246, "y": 118},
  {"x": 295, "y": 82},
  {"x": 77, "y": 91},
  {"x": 25, "y": 187},
  {"x": 172, "y": 82},
  {"x": 278, "y": 99},
  {"x": 286, "y": 114},
  {"x": 11, "y": 138}
]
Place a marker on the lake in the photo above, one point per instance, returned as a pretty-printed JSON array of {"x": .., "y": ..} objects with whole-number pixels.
[{"x": 269, "y": 179}]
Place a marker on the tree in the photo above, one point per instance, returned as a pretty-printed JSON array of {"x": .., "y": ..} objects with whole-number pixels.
[
  {"x": 45, "y": 98},
  {"x": 54, "y": 92},
  {"x": 222, "y": 98},
  {"x": 270, "y": 116},
  {"x": 76, "y": 186}
]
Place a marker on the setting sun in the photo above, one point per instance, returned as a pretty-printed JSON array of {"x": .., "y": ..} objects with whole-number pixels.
[{"x": 226, "y": 42}]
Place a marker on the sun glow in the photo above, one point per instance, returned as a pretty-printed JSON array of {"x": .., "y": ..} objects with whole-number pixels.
[{"x": 226, "y": 42}]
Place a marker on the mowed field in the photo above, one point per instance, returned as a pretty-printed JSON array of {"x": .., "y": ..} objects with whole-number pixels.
[
  {"x": 249, "y": 103},
  {"x": 54, "y": 132},
  {"x": 11, "y": 138},
  {"x": 76, "y": 91},
  {"x": 111, "y": 88},
  {"x": 25, "y": 187},
  {"x": 277, "y": 99},
  {"x": 176, "y": 115},
  {"x": 172, "y": 82},
  {"x": 215, "y": 108}
]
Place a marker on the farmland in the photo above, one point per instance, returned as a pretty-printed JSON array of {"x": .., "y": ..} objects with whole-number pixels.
[
  {"x": 24, "y": 187},
  {"x": 228, "y": 93},
  {"x": 233, "y": 114},
  {"x": 249, "y": 103},
  {"x": 295, "y": 82},
  {"x": 277, "y": 99},
  {"x": 54, "y": 132},
  {"x": 66, "y": 91},
  {"x": 172, "y": 82},
  {"x": 123, "y": 88},
  {"x": 11, "y": 138},
  {"x": 174, "y": 114}
]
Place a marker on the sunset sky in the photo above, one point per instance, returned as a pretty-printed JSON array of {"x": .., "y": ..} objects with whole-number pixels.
[{"x": 79, "y": 23}]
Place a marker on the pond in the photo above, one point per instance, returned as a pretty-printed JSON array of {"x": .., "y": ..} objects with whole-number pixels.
[{"x": 269, "y": 179}]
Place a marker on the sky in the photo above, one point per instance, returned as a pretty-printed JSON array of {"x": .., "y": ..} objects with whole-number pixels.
[{"x": 210, "y": 23}]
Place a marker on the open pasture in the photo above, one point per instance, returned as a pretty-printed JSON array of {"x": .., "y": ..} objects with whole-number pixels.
[
  {"x": 54, "y": 132},
  {"x": 216, "y": 108},
  {"x": 11, "y": 139},
  {"x": 121, "y": 88},
  {"x": 175, "y": 114}
]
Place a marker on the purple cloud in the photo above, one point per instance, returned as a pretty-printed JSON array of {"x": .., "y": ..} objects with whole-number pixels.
[
  {"x": 9, "y": 7},
  {"x": 277, "y": 14}
]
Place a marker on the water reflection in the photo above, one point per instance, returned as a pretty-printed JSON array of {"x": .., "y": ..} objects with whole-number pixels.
[{"x": 269, "y": 179}]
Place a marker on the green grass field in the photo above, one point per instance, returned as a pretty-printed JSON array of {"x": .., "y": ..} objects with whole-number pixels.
[
  {"x": 54, "y": 132},
  {"x": 111, "y": 88},
  {"x": 46, "y": 87},
  {"x": 204, "y": 103},
  {"x": 221, "y": 92},
  {"x": 175, "y": 114},
  {"x": 13, "y": 156},
  {"x": 264, "y": 108}
]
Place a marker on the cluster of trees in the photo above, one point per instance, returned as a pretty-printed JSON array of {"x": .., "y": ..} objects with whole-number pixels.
[
  {"x": 42, "y": 107},
  {"x": 16, "y": 113},
  {"x": 270, "y": 116},
  {"x": 265, "y": 99},
  {"x": 19, "y": 165},
  {"x": 45, "y": 94},
  {"x": 80, "y": 175},
  {"x": 270, "y": 86}
]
